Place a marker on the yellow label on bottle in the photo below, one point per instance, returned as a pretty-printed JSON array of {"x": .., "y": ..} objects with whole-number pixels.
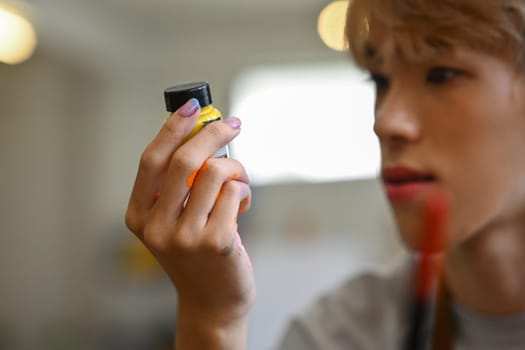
[{"x": 209, "y": 114}]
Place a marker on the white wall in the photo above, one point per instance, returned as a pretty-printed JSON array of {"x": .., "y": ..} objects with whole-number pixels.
[{"x": 48, "y": 143}]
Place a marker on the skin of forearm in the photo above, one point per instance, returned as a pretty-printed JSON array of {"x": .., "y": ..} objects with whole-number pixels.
[{"x": 200, "y": 332}]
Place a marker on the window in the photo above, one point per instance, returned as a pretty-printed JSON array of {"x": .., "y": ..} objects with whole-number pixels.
[{"x": 305, "y": 123}]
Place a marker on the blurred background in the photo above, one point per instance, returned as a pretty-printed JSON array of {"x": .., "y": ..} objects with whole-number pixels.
[{"x": 81, "y": 96}]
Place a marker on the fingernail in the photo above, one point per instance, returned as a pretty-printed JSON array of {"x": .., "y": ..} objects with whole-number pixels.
[
  {"x": 244, "y": 206},
  {"x": 235, "y": 123},
  {"x": 189, "y": 108},
  {"x": 245, "y": 191}
]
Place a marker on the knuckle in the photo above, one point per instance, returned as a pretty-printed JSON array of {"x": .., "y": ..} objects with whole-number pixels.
[
  {"x": 215, "y": 167},
  {"x": 133, "y": 223},
  {"x": 182, "y": 241},
  {"x": 243, "y": 170},
  {"x": 215, "y": 129},
  {"x": 238, "y": 164},
  {"x": 151, "y": 160},
  {"x": 182, "y": 160},
  {"x": 154, "y": 238},
  {"x": 212, "y": 244},
  {"x": 240, "y": 170},
  {"x": 231, "y": 188}
]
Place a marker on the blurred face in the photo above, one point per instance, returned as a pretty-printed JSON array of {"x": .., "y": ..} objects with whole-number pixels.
[{"x": 454, "y": 123}]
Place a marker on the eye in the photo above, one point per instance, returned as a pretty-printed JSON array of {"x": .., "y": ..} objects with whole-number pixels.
[
  {"x": 440, "y": 75},
  {"x": 380, "y": 81}
]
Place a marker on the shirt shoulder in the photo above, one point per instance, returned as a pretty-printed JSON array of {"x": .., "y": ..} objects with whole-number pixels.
[{"x": 364, "y": 312}]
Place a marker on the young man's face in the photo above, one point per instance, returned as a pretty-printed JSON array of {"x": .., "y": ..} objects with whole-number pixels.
[{"x": 454, "y": 123}]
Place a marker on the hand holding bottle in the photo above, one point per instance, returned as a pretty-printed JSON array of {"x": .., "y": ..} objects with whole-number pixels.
[{"x": 184, "y": 208}]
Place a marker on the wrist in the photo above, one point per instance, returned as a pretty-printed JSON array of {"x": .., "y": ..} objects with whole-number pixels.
[{"x": 196, "y": 330}]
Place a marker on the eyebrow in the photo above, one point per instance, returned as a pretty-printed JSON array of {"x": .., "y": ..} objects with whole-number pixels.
[{"x": 376, "y": 57}]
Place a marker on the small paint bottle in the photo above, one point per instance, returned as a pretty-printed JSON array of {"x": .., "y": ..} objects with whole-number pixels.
[{"x": 178, "y": 95}]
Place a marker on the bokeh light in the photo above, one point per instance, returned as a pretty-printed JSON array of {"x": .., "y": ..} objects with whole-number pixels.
[
  {"x": 17, "y": 36},
  {"x": 331, "y": 25}
]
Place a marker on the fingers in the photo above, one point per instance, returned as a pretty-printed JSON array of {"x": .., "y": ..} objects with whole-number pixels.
[
  {"x": 155, "y": 160},
  {"x": 226, "y": 207},
  {"x": 170, "y": 165},
  {"x": 186, "y": 162},
  {"x": 212, "y": 182},
  {"x": 221, "y": 226},
  {"x": 209, "y": 217},
  {"x": 191, "y": 227}
]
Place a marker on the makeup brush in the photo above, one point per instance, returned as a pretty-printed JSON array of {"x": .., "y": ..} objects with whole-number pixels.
[{"x": 428, "y": 272}]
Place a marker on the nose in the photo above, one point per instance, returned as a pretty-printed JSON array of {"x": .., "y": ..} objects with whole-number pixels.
[{"x": 396, "y": 116}]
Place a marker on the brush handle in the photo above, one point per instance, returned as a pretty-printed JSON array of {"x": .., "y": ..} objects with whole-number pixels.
[
  {"x": 428, "y": 273},
  {"x": 421, "y": 321}
]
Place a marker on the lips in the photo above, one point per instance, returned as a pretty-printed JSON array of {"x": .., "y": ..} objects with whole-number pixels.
[{"x": 403, "y": 183}]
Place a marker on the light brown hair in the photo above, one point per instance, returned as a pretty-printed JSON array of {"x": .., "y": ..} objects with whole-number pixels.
[{"x": 418, "y": 27}]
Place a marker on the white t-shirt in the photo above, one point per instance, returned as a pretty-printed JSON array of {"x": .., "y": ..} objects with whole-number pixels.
[{"x": 370, "y": 313}]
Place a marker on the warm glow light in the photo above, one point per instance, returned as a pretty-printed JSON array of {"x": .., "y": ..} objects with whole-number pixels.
[
  {"x": 331, "y": 25},
  {"x": 17, "y": 37}
]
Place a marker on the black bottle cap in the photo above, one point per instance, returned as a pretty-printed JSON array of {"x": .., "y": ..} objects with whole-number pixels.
[{"x": 176, "y": 96}]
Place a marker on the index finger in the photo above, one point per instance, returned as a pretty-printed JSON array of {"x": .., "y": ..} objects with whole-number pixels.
[{"x": 155, "y": 159}]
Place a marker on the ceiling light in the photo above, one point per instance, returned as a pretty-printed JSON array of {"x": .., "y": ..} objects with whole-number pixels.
[
  {"x": 331, "y": 25},
  {"x": 17, "y": 36}
]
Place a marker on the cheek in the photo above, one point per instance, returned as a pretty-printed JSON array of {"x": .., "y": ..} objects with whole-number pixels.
[
  {"x": 473, "y": 208},
  {"x": 480, "y": 165},
  {"x": 485, "y": 191}
]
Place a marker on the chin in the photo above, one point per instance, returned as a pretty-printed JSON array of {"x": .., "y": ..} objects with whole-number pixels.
[
  {"x": 409, "y": 230},
  {"x": 411, "y": 239},
  {"x": 412, "y": 230}
]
